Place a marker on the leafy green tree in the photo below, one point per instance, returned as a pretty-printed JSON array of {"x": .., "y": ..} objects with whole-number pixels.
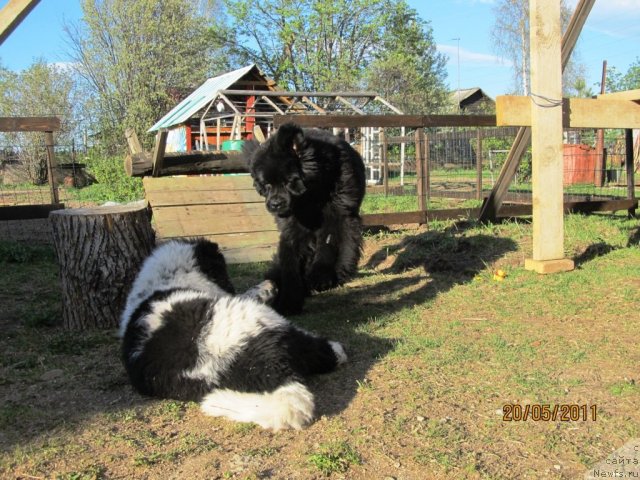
[
  {"x": 137, "y": 59},
  {"x": 333, "y": 45},
  {"x": 307, "y": 45},
  {"x": 41, "y": 90},
  {"x": 617, "y": 81},
  {"x": 407, "y": 69}
]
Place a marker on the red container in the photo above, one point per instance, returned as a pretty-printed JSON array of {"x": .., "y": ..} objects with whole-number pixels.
[{"x": 579, "y": 164}]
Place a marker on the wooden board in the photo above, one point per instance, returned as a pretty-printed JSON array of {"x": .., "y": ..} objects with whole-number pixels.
[
  {"x": 224, "y": 209},
  {"x": 412, "y": 121},
  {"x": 633, "y": 95},
  {"x": 212, "y": 219},
  {"x": 608, "y": 112},
  {"x": 28, "y": 212},
  {"x": 12, "y": 14},
  {"x": 29, "y": 124}
]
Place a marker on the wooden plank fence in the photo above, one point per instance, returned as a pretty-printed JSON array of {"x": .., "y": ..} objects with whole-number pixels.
[{"x": 224, "y": 209}]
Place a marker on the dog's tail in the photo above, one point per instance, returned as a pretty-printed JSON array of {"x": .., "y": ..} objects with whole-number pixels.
[{"x": 289, "y": 406}]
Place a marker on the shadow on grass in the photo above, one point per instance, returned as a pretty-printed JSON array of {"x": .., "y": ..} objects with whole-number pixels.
[
  {"x": 634, "y": 238},
  {"x": 601, "y": 249},
  {"x": 448, "y": 258},
  {"x": 52, "y": 379},
  {"x": 592, "y": 252}
]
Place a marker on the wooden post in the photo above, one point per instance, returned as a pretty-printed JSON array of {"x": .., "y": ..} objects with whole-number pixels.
[
  {"x": 385, "y": 162},
  {"x": 51, "y": 167},
  {"x": 99, "y": 253},
  {"x": 132, "y": 141},
  {"x": 600, "y": 152},
  {"x": 479, "y": 161},
  {"x": 12, "y": 14},
  {"x": 629, "y": 164},
  {"x": 546, "y": 138},
  {"x": 158, "y": 152},
  {"x": 426, "y": 165},
  {"x": 420, "y": 179}
]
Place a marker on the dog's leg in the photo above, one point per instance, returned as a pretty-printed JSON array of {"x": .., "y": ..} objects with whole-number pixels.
[
  {"x": 289, "y": 406},
  {"x": 322, "y": 274},
  {"x": 311, "y": 354},
  {"x": 264, "y": 292},
  {"x": 350, "y": 249},
  {"x": 285, "y": 273}
]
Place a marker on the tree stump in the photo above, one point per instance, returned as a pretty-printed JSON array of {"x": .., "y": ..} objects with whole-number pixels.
[{"x": 100, "y": 251}]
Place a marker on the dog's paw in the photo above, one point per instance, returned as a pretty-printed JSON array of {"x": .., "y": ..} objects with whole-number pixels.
[
  {"x": 264, "y": 292},
  {"x": 321, "y": 278},
  {"x": 338, "y": 350}
]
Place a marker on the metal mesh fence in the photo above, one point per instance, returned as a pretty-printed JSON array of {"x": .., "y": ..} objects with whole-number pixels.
[
  {"x": 463, "y": 166},
  {"x": 24, "y": 182}
]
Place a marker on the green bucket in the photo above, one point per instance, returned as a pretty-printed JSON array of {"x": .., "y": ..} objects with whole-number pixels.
[{"x": 228, "y": 145}]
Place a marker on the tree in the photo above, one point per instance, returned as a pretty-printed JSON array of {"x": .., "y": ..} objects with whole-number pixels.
[
  {"x": 617, "y": 81},
  {"x": 407, "y": 69},
  {"x": 40, "y": 90},
  {"x": 137, "y": 59},
  {"x": 325, "y": 45},
  {"x": 510, "y": 36},
  {"x": 307, "y": 45}
]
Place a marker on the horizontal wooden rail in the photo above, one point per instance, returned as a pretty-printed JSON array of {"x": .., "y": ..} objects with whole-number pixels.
[
  {"x": 411, "y": 121},
  {"x": 29, "y": 124},
  {"x": 506, "y": 211},
  {"x": 28, "y": 212}
]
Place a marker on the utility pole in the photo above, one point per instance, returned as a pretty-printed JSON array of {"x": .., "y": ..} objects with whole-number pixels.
[{"x": 458, "y": 96}]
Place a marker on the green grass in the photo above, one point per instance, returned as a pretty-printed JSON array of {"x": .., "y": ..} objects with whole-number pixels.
[
  {"x": 436, "y": 347},
  {"x": 334, "y": 457}
]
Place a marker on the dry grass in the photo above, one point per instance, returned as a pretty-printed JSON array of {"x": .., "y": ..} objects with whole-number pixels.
[{"x": 437, "y": 348}]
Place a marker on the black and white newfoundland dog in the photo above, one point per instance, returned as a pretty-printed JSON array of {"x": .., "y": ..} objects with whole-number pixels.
[
  {"x": 186, "y": 336},
  {"x": 313, "y": 183}
]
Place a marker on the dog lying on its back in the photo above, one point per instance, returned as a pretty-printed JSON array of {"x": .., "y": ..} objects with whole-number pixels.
[
  {"x": 313, "y": 183},
  {"x": 186, "y": 336}
]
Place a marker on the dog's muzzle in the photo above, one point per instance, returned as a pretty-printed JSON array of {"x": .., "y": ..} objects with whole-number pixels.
[{"x": 278, "y": 205}]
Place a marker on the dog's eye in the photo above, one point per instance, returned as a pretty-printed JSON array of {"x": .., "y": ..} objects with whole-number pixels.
[
  {"x": 262, "y": 188},
  {"x": 296, "y": 186}
]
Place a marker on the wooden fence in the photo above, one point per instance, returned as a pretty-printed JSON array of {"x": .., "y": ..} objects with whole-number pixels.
[{"x": 48, "y": 125}]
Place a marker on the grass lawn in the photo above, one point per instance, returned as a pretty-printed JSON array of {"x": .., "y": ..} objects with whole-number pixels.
[{"x": 437, "y": 347}]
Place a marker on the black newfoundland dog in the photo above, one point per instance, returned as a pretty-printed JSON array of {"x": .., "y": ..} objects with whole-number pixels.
[
  {"x": 185, "y": 335},
  {"x": 313, "y": 183}
]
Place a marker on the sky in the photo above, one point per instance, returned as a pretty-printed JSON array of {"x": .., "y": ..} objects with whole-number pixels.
[{"x": 461, "y": 29}]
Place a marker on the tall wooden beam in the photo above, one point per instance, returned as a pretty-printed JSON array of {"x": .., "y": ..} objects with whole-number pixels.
[
  {"x": 546, "y": 139},
  {"x": 12, "y": 14},
  {"x": 493, "y": 202}
]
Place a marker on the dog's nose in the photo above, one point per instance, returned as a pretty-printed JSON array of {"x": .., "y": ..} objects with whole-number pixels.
[{"x": 275, "y": 205}]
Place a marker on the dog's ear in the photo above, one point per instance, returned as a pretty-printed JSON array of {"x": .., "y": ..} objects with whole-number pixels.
[
  {"x": 289, "y": 137},
  {"x": 248, "y": 150},
  {"x": 211, "y": 263}
]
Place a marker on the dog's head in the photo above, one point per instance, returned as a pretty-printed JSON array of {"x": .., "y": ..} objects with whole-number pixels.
[{"x": 276, "y": 169}]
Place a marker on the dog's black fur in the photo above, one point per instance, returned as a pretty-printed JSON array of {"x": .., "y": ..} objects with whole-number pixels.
[
  {"x": 185, "y": 335},
  {"x": 313, "y": 183}
]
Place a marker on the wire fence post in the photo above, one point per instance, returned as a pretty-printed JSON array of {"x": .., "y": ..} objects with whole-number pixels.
[
  {"x": 630, "y": 167},
  {"x": 479, "y": 162}
]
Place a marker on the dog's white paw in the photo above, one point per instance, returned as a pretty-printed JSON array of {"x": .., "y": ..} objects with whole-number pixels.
[
  {"x": 264, "y": 292},
  {"x": 338, "y": 349}
]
